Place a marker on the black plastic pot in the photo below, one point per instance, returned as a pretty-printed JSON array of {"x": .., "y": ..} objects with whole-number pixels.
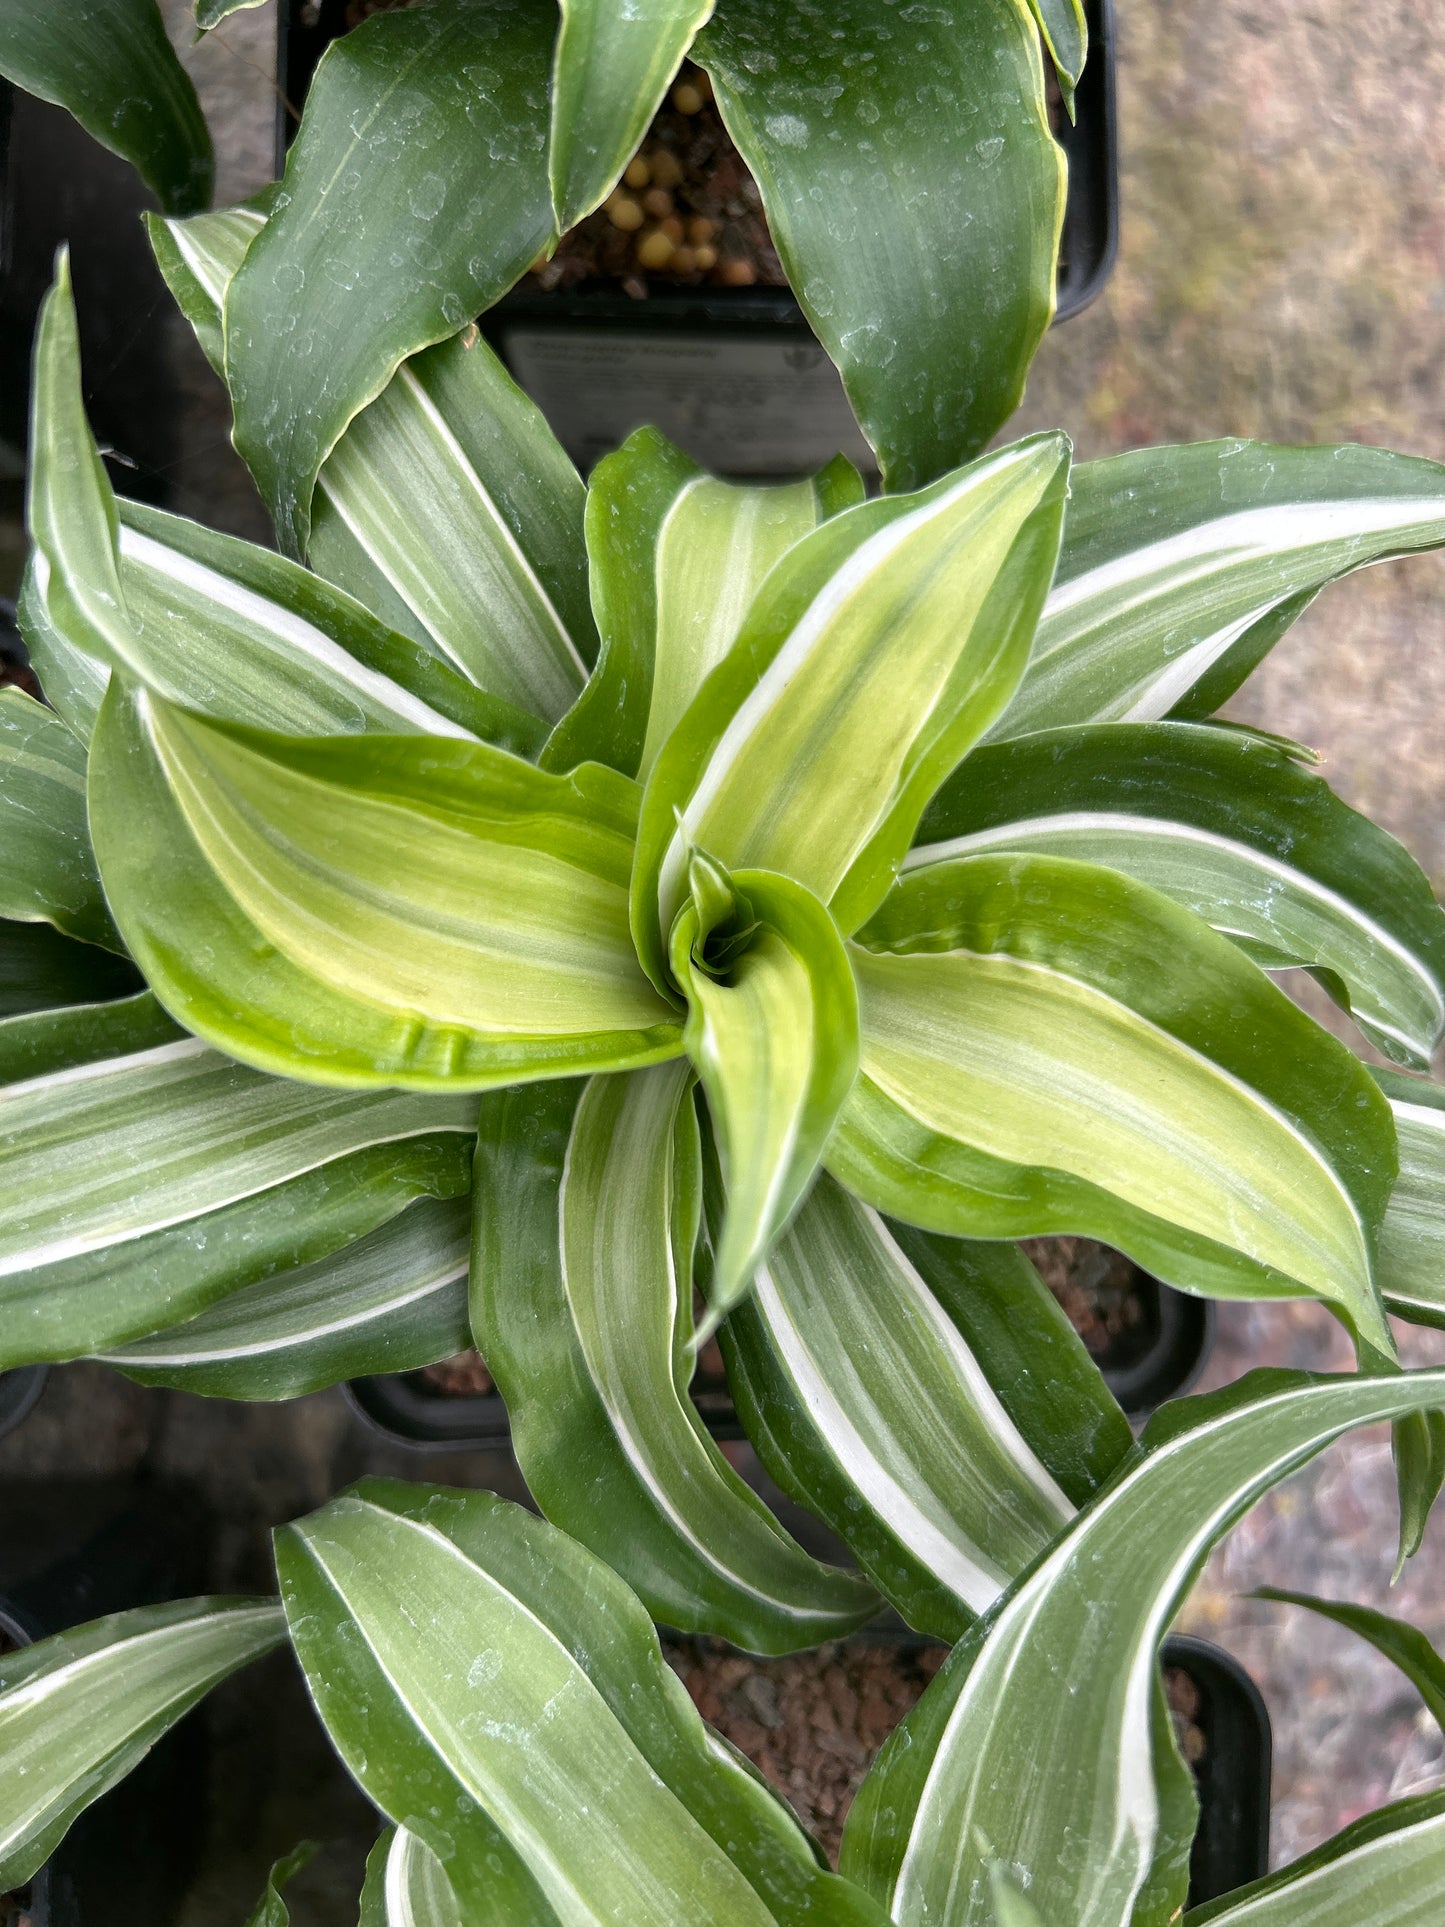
[
  {"x": 1231, "y": 1846},
  {"x": 70, "y": 1552},
  {"x": 735, "y": 375},
  {"x": 19, "y": 1390},
  {"x": 1166, "y": 1354}
]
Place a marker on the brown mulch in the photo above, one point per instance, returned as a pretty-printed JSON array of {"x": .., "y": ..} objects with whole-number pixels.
[
  {"x": 464, "y": 1376},
  {"x": 1097, "y": 1287}
]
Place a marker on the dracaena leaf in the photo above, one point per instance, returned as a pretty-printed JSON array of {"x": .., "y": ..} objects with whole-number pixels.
[
  {"x": 857, "y": 1381},
  {"x": 79, "y": 1710},
  {"x": 1412, "y": 1237},
  {"x": 878, "y": 651},
  {"x": 868, "y": 132},
  {"x": 374, "y": 910},
  {"x": 1401, "y": 1643},
  {"x": 145, "y": 1176},
  {"x": 230, "y": 629},
  {"x": 449, "y": 508},
  {"x": 111, "y": 65},
  {"x": 47, "y": 867},
  {"x": 391, "y": 1301},
  {"x": 1233, "y": 828},
  {"x": 1028, "y": 1067},
  {"x": 586, "y": 1201},
  {"x": 425, "y": 131},
  {"x": 535, "y": 1741},
  {"x": 612, "y": 69},
  {"x": 197, "y": 257},
  {"x": 1068, "y": 1801},
  {"x": 1066, "y": 35},
  {"x": 677, "y": 556},
  {"x": 1181, "y": 568},
  {"x": 42, "y": 970},
  {"x": 772, "y": 1029},
  {"x": 1387, "y": 1870},
  {"x": 271, "y": 1909},
  {"x": 406, "y": 1885},
  {"x": 209, "y": 14}
]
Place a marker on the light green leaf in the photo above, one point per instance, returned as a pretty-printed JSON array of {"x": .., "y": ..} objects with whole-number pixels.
[
  {"x": 110, "y": 64},
  {"x": 856, "y": 1380},
  {"x": 377, "y": 910},
  {"x": 1011, "y": 1907},
  {"x": 47, "y": 867},
  {"x": 1412, "y": 1237},
  {"x": 772, "y": 1029},
  {"x": 42, "y": 970},
  {"x": 1182, "y": 567},
  {"x": 1387, "y": 1870},
  {"x": 1066, "y": 35},
  {"x": 1028, "y": 1068},
  {"x": 210, "y": 13},
  {"x": 613, "y": 66},
  {"x": 1059, "y": 1784},
  {"x": 677, "y": 557},
  {"x": 198, "y": 255},
  {"x": 392, "y": 1301},
  {"x": 879, "y": 650},
  {"x": 535, "y": 1740},
  {"x": 415, "y": 193},
  {"x": 450, "y": 509},
  {"x": 872, "y": 134},
  {"x": 1234, "y": 829},
  {"x": 1401, "y": 1643},
  {"x": 271, "y": 1910},
  {"x": 406, "y": 1885},
  {"x": 144, "y": 1179},
  {"x": 79, "y": 1710},
  {"x": 587, "y": 1202}
]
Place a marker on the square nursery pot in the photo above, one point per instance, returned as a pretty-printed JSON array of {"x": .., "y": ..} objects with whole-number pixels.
[
  {"x": 812, "y": 1723},
  {"x": 70, "y": 1552},
  {"x": 732, "y": 372}
]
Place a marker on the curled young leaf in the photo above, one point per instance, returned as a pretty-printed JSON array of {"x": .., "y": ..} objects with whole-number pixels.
[{"x": 47, "y": 867}]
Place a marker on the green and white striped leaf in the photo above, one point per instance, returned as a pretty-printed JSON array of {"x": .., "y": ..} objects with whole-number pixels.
[
  {"x": 1028, "y": 1068},
  {"x": 1182, "y": 567},
  {"x": 415, "y": 193},
  {"x": 79, "y": 1710},
  {"x": 1233, "y": 828},
  {"x": 1059, "y": 1783},
  {"x": 110, "y": 63},
  {"x": 224, "y": 627},
  {"x": 677, "y": 557},
  {"x": 920, "y": 1394},
  {"x": 1401, "y": 1643},
  {"x": 392, "y": 1301},
  {"x": 47, "y": 867},
  {"x": 449, "y": 508},
  {"x": 1066, "y": 35},
  {"x": 535, "y": 1740},
  {"x": 587, "y": 1202},
  {"x": 140, "y": 1184},
  {"x": 374, "y": 911},
  {"x": 915, "y": 194},
  {"x": 879, "y": 650},
  {"x": 772, "y": 1030},
  {"x": 42, "y": 970},
  {"x": 406, "y": 1885},
  {"x": 198, "y": 255},
  {"x": 1412, "y": 1237},
  {"x": 613, "y": 66},
  {"x": 35, "y": 1043},
  {"x": 271, "y": 1909},
  {"x": 1387, "y": 1870}
]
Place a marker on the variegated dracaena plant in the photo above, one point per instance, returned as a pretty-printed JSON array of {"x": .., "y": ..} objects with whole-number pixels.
[
  {"x": 790, "y": 895},
  {"x": 501, "y": 1697}
]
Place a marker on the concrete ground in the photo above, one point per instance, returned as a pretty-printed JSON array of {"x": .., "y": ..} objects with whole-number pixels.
[{"x": 1282, "y": 274}]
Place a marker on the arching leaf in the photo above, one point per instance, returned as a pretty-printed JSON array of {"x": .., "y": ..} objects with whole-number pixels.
[{"x": 47, "y": 867}]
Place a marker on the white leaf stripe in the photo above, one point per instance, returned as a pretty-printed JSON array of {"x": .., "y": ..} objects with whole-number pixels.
[
  {"x": 909, "y": 1509},
  {"x": 546, "y": 668},
  {"x": 275, "y": 625},
  {"x": 1396, "y": 1879},
  {"x": 212, "y": 247},
  {"x": 1036, "y": 831}
]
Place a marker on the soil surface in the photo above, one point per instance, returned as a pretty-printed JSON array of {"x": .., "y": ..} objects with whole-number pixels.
[
  {"x": 812, "y": 1722},
  {"x": 464, "y": 1376},
  {"x": 1097, "y": 1287}
]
